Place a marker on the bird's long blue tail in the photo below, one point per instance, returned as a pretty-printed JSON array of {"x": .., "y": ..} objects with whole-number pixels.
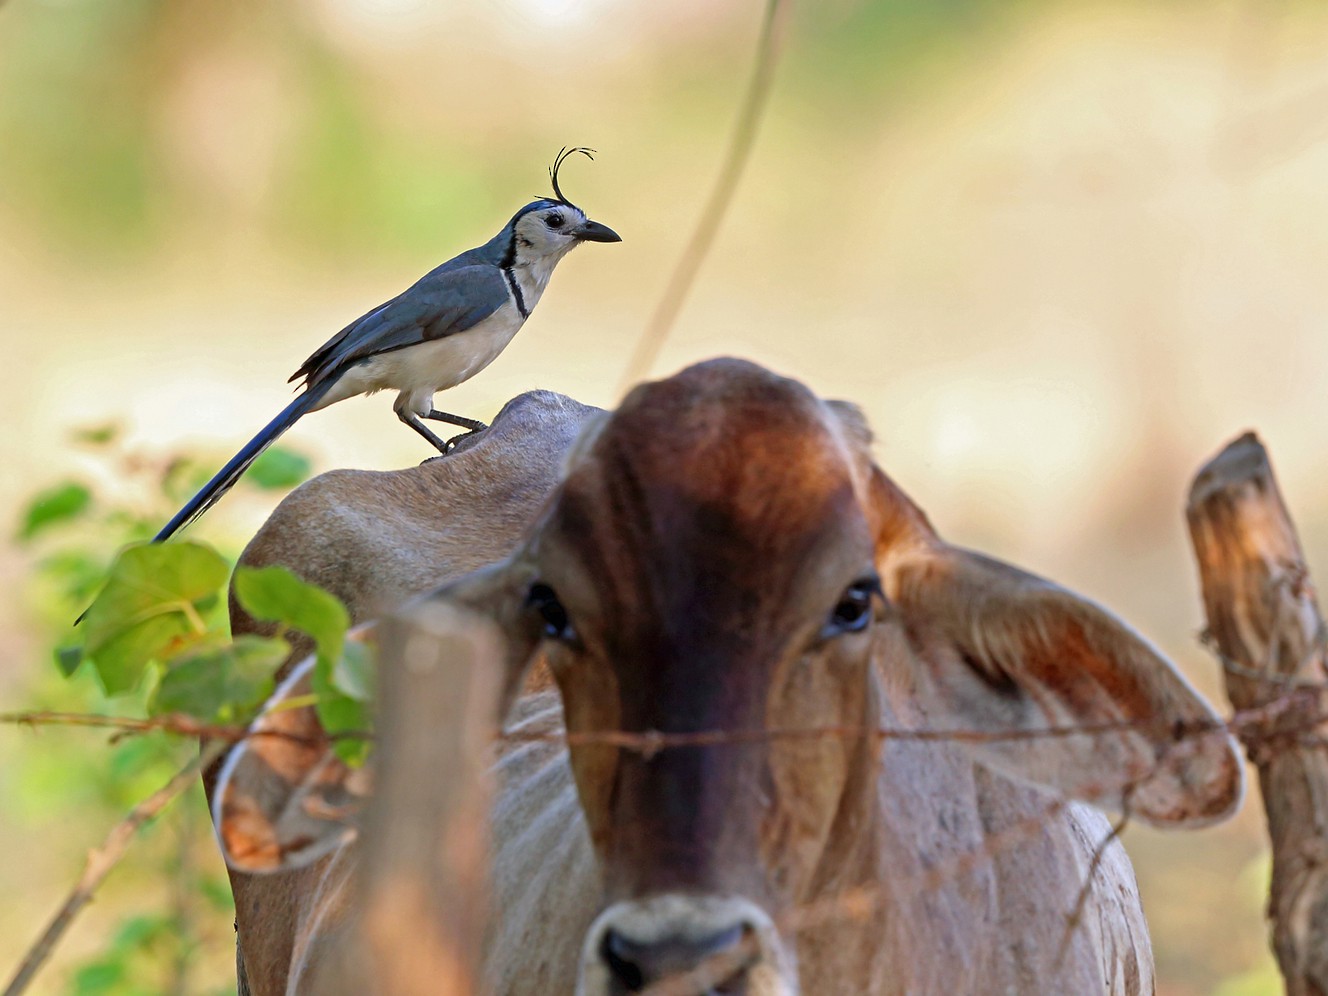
[{"x": 225, "y": 478}]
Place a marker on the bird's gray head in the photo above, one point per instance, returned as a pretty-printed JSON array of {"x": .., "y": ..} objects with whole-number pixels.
[{"x": 546, "y": 229}]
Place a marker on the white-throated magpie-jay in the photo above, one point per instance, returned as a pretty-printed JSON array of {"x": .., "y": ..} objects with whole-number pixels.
[{"x": 451, "y": 324}]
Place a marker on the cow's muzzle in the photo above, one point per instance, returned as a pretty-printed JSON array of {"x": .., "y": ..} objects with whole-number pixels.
[{"x": 678, "y": 945}]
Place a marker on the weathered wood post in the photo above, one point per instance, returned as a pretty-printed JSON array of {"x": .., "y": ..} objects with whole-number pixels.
[
  {"x": 422, "y": 878},
  {"x": 1265, "y": 624}
]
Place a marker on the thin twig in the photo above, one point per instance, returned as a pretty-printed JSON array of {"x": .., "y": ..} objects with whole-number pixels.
[
  {"x": 1075, "y": 917},
  {"x": 865, "y": 901},
  {"x": 180, "y": 724},
  {"x": 711, "y": 972},
  {"x": 721, "y": 196},
  {"x": 862, "y": 902},
  {"x": 101, "y": 860}
]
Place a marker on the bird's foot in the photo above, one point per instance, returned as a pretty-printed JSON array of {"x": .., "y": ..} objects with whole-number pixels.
[
  {"x": 451, "y": 446},
  {"x": 455, "y": 441},
  {"x": 473, "y": 424}
]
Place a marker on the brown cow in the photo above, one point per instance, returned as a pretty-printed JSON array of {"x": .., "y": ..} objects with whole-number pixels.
[{"x": 723, "y": 555}]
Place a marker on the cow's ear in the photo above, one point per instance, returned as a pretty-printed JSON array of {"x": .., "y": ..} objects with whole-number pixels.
[
  {"x": 284, "y": 798},
  {"x": 1005, "y": 654}
]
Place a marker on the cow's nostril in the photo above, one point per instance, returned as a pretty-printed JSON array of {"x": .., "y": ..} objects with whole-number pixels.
[
  {"x": 617, "y": 953},
  {"x": 634, "y": 965}
]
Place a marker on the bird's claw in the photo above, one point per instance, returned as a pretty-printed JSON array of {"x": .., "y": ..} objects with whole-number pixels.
[
  {"x": 455, "y": 440},
  {"x": 451, "y": 445}
]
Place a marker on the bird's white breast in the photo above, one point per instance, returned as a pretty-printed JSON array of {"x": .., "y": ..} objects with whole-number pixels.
[{"x": 420, "y": 370}]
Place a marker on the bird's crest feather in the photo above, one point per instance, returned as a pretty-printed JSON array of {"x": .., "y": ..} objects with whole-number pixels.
[{"x": 563, "y": 155}]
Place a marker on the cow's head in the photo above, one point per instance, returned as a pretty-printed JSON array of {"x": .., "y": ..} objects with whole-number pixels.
[{"x": 723, "y": 557}]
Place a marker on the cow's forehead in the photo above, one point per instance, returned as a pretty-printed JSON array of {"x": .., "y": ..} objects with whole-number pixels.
[
  {"x": 725, "y": 435},
  {"x": 711, "y": 493},
  {"x": 733, "y": 391}
]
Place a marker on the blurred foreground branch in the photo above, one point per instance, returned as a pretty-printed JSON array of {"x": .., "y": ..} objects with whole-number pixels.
[
  {"x": 101, "y": 860},
  {"x": 421, "y": 880},
  {"x": 721, "y": 195},
  {"x": 1264, "y": 621}
]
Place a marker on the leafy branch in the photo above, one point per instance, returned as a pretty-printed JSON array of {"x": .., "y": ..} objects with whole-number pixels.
[
  {"x": 155, "y": 640},
  {"x": 100, "y": 862}
]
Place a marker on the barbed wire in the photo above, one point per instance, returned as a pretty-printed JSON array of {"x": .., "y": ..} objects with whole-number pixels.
[
  {"x": 1265, "y": 674},
  {"x": 1291, "y": 719},
  {"x": 1263, "y": 722}
]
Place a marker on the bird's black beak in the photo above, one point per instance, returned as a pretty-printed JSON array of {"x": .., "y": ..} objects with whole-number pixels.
[{"x": 593, "y": 231}]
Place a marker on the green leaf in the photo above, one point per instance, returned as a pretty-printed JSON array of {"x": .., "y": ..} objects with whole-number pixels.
[
  {"x": 57, "y": 504},
  {"x": 223, "y": 683},
  {"x": 97, "y": 435},
  {"x": 138, "y": 931},
  {"x": 353, "y": 673},
  {"x": 339, "y": 713},
  {"x": 99, "y": 977},
  {"x": 345, "y": 699},
  {"x": 216, "y": 892},
  {"x": 279, "y": 467},
  {"x": 150, "y": 606},
  {"x": 76, "y": 572},
  {"x": 67, "y": 659},
  {"x": 274, "y": 594},
  {"x": 136, "y": 763}
]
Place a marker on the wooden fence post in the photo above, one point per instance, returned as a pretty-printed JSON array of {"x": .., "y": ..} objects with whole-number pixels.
[
  {"x": 422, "y": 879},
  {"x": 1265, "y": 624}
]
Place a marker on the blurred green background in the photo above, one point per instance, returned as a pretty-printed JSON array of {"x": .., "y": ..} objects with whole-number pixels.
[{"x": 1060, "y": 252}]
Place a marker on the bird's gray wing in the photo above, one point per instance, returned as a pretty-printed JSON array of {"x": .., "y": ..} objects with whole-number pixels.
[{"x": 443, "y": 302}]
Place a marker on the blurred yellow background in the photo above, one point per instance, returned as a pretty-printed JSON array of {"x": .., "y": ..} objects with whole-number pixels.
[{"x": 1060, "y": 252}]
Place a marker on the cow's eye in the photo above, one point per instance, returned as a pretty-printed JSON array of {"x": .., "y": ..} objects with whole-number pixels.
[
  {"x": 544, "y": 601},
  {"x": 853, "y": 612}
]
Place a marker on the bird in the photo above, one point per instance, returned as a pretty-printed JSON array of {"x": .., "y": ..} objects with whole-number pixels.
[{"x": 444, "y": 329}]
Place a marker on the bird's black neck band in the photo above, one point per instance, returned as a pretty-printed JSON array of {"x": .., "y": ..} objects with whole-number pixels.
[{"x": 516, "y": 291}]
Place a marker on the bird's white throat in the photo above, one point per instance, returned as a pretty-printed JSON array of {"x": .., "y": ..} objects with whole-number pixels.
[{"x": 532, "y": 273}]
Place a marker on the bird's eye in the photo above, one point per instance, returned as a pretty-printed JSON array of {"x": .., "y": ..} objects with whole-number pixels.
[
  {"x": 853, "y": 612},
  {"x": 544, "y": 601},
  {"x": 555, "y": 220}
]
